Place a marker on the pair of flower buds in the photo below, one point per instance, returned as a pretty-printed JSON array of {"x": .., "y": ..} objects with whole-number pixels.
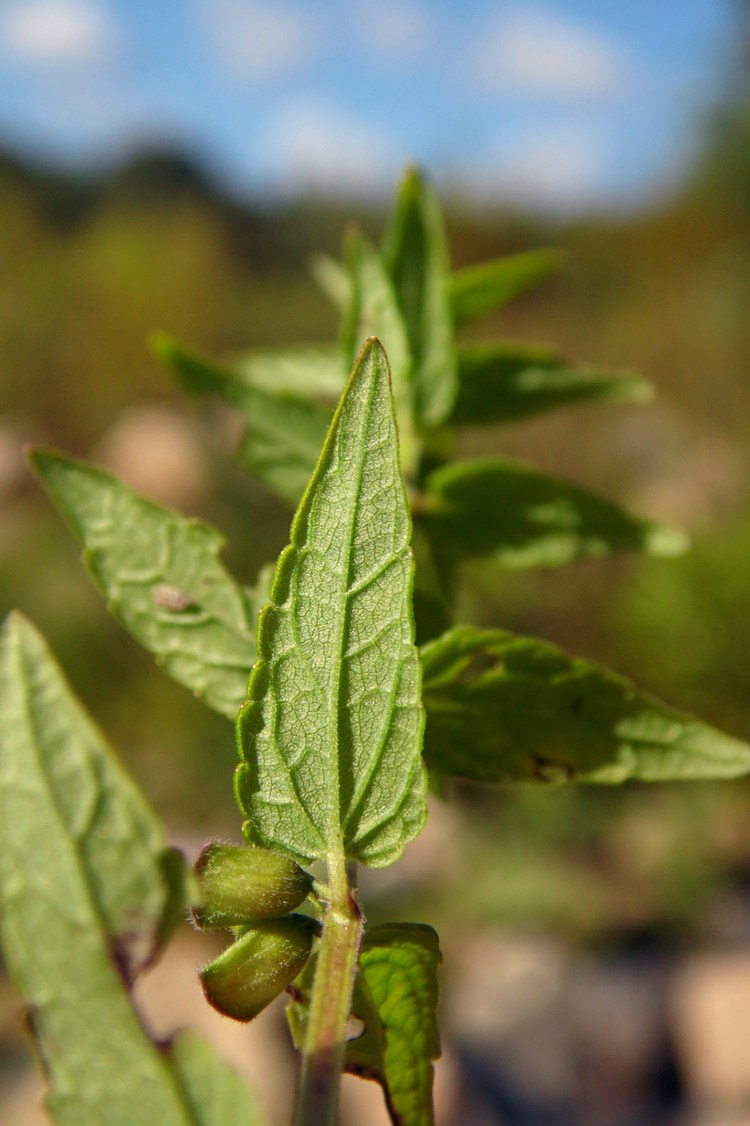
[{"x": 252, "y": 890}]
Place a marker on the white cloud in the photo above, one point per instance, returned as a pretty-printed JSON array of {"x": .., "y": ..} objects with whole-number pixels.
[
  {"x": 260, "y": 42},
  {"x": 56, "y": 31},
  {"x": 316, "y": 147},
  {"x": 562, "y": 170},
  {"x": 534, "y": 50},
  {"x": 393, "y": 30}
]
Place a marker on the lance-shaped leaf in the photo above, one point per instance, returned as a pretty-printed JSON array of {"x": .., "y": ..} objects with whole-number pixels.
[
  {"x": 415, "y": 252},
  {"x": 477, "y": 290},
  {"x": 284, "y": 434},
  {"x": 503, "y": 708},
  {"x": 375, "y": 312},
  {"x": 501, "y": 382},
  {"x": 313, "y": 371},
  {"x": 162, "y": 578},
  {"x": 396, "y": 997},
  {"x": 89, "y": 895},
  {"x": 331, "y": 733},
  {"x": 84, "y": 892},
  {"x": 214, "y": 1093},
  {"x": 523, "y": 518}
]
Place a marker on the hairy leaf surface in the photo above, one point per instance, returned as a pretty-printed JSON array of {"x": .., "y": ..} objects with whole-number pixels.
[
  {"x": 284, "y": 433},
  {"x": 162, "y": 578},
  {"x": 503, "y": 382},
  {"x": 85, "y": 895},
  {"x": 476, "y": 290},
  {"x": 523, "y": 518},
  {"x": 502, "y": 708},
  {"x": 415, "y": 252},
  {"x": 396, "y": 999},
  {"x": 330, "y": 736}
]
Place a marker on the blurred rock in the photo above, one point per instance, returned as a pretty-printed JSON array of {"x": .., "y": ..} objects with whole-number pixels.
[
  {"x": 157, "y": 451},
  {"x": 710, "y": 1005}
]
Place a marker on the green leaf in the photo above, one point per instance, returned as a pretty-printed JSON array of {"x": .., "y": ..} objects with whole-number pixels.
[
  {"x": 284, "y": 434},
  {"x": 313, "y": 371},
  {"x": 332, "y": 278},
  {"x": 331, "y": 733},
  {"x": 502, "y": 708},
  {"x": 84, "y": 894},
  {"x": 522, "y": 518},
  {"x": 375, "y": 312},
  {"x": 214, "y": 1093},
  {"x": 161, "y": 576},
  {"x": 477, "y": 290},
  {"x": 500, "y": 382},
  {"x": 415, "y": 252},
  {"x": 396, "y": 999}
]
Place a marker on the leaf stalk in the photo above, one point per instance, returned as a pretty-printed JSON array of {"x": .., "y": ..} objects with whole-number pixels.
[{"x": 324, "y": 1046}]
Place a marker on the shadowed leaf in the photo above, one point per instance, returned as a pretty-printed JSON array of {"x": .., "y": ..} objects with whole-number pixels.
[
  {"x": 521, "y": 518},
  {"x": 502, "y": 708},
  {"x": 477, "y": 290},
  {"x": 503, "y": 382}
]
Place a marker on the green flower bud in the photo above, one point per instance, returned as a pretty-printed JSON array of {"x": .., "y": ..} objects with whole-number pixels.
[
  {"x": 240, "y": 885},
  {"x": 258, "y": 966}
]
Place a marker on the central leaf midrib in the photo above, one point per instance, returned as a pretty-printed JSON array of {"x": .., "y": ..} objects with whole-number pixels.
[{"x": 335, "y": 712}]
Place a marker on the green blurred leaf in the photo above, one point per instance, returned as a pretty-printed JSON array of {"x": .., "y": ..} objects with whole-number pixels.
[
  {"x": 314, "y": 371},
  {"x": 161, "y": 576},
  {"x": 396, "y": 998},
  {"x": 499, "y": 382},
  {"x": 375, "y": 312},
  {"x": 503, "y": 708},
  {"x": 214, "y": 1093},
  {"x": 84, "y": 895},
  {"x": 415, "y": 253},
  {"x": 477, "y": 290},
  {"x": 522, "y": 518},
  {"x": 332, "y": 278},
  {"x": 331, "y": 732},
  {"x": 284, "y": 433}
]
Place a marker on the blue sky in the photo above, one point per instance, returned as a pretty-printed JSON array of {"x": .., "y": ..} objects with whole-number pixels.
[{"x": 563, "y": 104}]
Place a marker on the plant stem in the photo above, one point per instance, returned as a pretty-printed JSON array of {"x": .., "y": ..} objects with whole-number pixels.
[{"x": 330, "y": 1002}]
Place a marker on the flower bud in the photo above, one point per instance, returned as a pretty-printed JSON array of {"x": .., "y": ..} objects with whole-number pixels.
[
  {"x": 258, "y": 966},
  {"x": 240, "y": 884}
]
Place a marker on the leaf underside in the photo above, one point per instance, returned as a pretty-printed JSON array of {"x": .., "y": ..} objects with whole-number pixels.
[
  {"x": 397, "y": 998},
  {"x": 162, "y": 578},
  {"x": 330, "y": 735},
  {"x": 88, "y": 897},
  {"x": 502, "y": 708}
]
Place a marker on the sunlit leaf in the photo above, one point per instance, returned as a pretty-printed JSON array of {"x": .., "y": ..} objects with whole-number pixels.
[
  {"x": 502, "y": 382},
  {"x": 502, "y": 708},
  {"x": 162, "y": 578},
  {"x": 415, "y": 252},
  {"x": 522, "y": 518},
  {"x": 331, "y": 733},
  {"x": 476, "y": 290},
  {"x": 396, "y": 999},
  {"x": 84, "y": 895},
  {"x": 375, "y": 312}
]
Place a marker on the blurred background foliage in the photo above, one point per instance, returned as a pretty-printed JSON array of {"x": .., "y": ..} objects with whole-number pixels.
[{"x": 90, "y": 266}]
